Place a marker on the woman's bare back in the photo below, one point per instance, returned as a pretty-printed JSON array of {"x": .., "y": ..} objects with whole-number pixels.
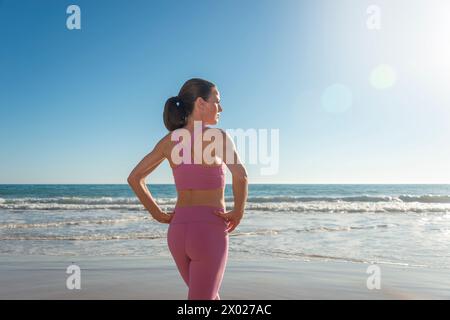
[{"x": 195, "y": 197}]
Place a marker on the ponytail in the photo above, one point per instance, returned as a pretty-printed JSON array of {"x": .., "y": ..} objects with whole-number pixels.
[{"x": 174, "y": 115}]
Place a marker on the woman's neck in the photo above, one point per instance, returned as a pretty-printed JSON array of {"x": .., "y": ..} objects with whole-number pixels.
[{"x": 191, "y": 124}]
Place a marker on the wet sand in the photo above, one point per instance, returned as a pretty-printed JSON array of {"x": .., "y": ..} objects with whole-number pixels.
[{"x": 156, "y": 278}]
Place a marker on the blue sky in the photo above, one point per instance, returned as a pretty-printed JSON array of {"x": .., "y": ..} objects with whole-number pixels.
[{"x": 84, "y": 106}]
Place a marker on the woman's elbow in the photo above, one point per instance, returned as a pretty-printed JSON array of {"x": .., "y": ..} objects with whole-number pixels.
[
  {"x": 241, "y": 177},
  {"x": 133, "y": 179}
]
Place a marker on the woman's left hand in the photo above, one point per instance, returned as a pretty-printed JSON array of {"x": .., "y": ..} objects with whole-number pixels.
[{"x": 233, "y": 218}]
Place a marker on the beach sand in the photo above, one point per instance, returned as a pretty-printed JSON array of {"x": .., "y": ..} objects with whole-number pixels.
[{"x": 44, "y": 277}]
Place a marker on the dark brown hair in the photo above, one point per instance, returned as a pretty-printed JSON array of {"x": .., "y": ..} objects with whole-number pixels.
[{"x": 177, "y": 109}]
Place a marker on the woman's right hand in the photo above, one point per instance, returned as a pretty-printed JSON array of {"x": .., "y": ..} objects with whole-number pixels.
[{"x": 163, "y": 217}]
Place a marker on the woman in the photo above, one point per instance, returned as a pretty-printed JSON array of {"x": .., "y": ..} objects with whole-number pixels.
[{"x": 198, "y": 232}]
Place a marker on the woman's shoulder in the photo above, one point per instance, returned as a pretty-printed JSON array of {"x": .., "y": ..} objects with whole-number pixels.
[
  {"x": 164, "y": 143},
  {"x": 177, "y": 134},
  {"x": 165, "y": 138},
  {"x": 215, "y": 130}
]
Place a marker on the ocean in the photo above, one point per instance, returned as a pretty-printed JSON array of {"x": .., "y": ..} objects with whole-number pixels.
[{"x": 385, "y": 224}]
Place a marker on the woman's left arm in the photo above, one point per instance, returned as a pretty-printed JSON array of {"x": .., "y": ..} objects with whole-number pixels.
[{"x": 136, "y": 180}]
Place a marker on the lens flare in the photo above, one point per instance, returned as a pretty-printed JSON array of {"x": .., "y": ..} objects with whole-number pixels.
[{"x": 383, "y": 77}]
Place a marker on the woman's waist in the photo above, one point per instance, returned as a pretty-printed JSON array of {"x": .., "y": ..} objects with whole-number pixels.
[
  {"x": 212, "y": 198},
  {"x": 198, "y": 213}
]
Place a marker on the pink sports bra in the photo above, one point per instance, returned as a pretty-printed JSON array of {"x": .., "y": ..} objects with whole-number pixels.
[{"x": 198, "y": 176}]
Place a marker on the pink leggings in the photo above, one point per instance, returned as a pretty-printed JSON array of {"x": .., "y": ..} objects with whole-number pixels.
[{"x": 198, "y": 242}]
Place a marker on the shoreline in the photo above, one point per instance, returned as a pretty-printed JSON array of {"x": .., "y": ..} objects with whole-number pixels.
[{"x": 156, "y": 278}]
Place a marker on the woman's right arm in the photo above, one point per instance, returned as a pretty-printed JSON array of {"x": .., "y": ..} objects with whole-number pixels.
[{"x": 136, "y": 180}]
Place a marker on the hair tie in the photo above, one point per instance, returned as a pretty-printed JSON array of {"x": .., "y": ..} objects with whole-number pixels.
[{"x": 178, "y": 102}]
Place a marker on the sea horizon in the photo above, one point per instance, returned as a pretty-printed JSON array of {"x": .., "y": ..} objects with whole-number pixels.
[
  {"x": 405, "y": 224},
  {"x": 250, "y": 183}
]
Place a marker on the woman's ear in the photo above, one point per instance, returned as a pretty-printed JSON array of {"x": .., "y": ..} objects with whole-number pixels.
[{"x": 200, "y": 104}]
